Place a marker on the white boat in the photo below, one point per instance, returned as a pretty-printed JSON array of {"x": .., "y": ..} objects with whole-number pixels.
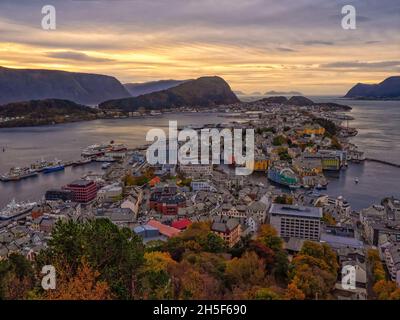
[
  {"x": 14, "y": 209},
  {"x": 356, "y": 180}
]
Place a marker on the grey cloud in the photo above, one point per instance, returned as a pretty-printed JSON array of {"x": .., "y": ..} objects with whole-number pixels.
[
  {"x": 358, "y": 64},
  {"x": 285, "y": 49},
  {"x": 78, "y": 56},
  {"x": 318, "y": 43}
]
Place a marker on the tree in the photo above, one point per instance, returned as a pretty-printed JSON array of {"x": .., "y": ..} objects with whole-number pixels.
[
  {"x": 267, "y": 294},
  {"x": 314, "y": 270},
  {"x": 294, "y": 293},
  {"x": 154, "y": 279},
  {"x": 387, "y": 290},
  {"x": 269, "y": 237},
  {"x": 116, "y": 253},
  {"x": 245, "y": 271},
  {"x": 376, "y": 264},
  {"x": 84, "y": 285},
  {"x": 17, "y": 277}
]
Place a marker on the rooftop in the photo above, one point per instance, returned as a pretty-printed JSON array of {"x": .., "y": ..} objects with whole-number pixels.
[{"x": 295, "y": 210}]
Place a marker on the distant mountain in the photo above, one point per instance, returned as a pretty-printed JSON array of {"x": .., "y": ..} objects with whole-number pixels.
[
  {"x": 300, "y": 101},
  {"x": 303, "y": 101},
  {"x": 256, "y": 93},
  {"x": 203, "y": 92},
  {"x": 278, "y": 100},
  {"x": 137, "y": 89},
  {"x": 33, "y": 84},
  {"x": 387, "y": 89},
  {"x": 284, "y": 93},
  {"x": 41, "y": 112},
  {"x": 239, "y": 93}
]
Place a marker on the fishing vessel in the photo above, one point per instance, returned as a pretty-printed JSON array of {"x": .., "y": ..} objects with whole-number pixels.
[
  {"x": 14, "y": 210},
  {"x": 16, "y": 174},
  {"x": 57, "y": 165}
]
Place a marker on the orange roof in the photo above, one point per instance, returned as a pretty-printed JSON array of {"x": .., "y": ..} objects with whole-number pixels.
[
  {"x": 164, "y": 229},
  {"x": 154, "y": 181}
]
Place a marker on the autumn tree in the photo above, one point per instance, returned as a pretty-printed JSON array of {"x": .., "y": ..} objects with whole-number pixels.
[
  {"x": 376, "y": 265},
  {"x": 246, "y": 271},
  {"x": 84, "y": 285},
  {"x": 314, "y": 270},
  {"x": 269, "y": 237},
  {"x": 154, "y": 278},
  {"x": 116, "y": 253},
  {"x": 387, "y": 290},
  {"x": 294, "y": 293},
  {"x": 17, "y": 277}
]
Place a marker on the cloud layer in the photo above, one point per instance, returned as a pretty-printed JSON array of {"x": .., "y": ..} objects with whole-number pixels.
[{"x": 257, "y": 45}]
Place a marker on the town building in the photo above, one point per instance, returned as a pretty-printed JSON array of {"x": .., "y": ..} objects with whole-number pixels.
[
  {"x": 83, "y": 190},
  {"x": 296, "y": 221},
  {"x": 228, "y": 229}
]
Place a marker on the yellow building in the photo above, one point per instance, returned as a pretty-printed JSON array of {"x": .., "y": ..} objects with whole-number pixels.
[
  {"x": 313, "y": 129},
  {"x": 259, "y": 164}
]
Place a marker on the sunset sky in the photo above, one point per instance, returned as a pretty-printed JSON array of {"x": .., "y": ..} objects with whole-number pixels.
[{"x": 256, "y": 45}]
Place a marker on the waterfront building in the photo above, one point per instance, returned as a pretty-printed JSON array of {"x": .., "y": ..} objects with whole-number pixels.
[
  {"x": 83, "y": 190},
  {"x": 260, "y": 163},
  {"x": 55, "y": 195},
  {"x": 296, "y": 221}
]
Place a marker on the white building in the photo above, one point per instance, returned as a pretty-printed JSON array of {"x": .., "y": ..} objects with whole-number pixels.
[
  {"x": 109, "y": 192},
  {"x": 296, "y": 221}
]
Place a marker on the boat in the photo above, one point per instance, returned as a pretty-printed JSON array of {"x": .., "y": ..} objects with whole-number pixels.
[
  {"x": 54, "y": 168},
  {"x": 356, "y": 180},
  {"x": 284, "y": 177},
  {"x": 17, "y": 174},
  {"x": 105, "y": 159},
  {"x": 57, "y": 165},
  {"x": 14, "y": 210},
  {"x": 81, "y": 162},
  {"x": 105, "y": 165}
]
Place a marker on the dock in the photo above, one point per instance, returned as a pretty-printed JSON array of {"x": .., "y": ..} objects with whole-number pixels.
[{"x": 392, "y": 164}]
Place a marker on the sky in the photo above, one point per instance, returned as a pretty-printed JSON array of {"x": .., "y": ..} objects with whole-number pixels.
[{"x": 255, "y": 45}]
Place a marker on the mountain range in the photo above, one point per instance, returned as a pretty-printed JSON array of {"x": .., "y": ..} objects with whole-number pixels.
[
  {"x": 35, "y": 84},
  {"x": 202, "y": 92},
  {"x": 387, "y": 89},
  {"x": 137, "y": 89}
]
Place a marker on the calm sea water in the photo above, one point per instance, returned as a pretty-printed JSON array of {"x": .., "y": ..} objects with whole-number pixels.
[{"x": 379, "y": 136}]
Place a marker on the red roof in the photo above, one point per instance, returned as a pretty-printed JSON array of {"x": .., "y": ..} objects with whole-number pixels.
[
  {"x": 154, "y": 181},
  {"x": 181, "y": 224},
  {"x": 164, "y": 229}
]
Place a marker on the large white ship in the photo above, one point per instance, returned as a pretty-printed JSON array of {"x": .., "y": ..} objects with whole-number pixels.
[{"x": 14, "y": 209}]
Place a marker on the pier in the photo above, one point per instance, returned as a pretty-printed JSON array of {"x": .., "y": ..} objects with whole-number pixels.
[{"x": 396, "y": 165}]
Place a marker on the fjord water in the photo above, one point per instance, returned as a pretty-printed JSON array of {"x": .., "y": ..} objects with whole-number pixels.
[{"x": 379, "y": 136}]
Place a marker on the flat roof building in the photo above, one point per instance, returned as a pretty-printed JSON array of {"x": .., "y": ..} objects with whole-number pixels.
[{"x": 293, "y": 221}]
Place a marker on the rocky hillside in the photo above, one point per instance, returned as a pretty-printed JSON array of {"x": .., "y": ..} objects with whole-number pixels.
[
  {"x": 32, "y": 84},
  {"x": 387, "y": 89},
  {"x": 137, "y": 89},
  {"x": 40, "y": 112},
  {"x": 202, "y": 92}
]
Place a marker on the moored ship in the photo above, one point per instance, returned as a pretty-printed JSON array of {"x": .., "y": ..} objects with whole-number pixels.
[
  {"x": 16, "y": 174},
  {"x": 14, "y": 210},
  {"x": 284, "y": 177}
]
